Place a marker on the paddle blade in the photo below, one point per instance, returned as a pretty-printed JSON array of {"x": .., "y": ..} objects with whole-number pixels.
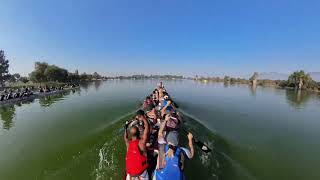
[{"x": 202, "y": 146}]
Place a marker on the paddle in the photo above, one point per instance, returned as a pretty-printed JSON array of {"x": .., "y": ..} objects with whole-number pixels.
[{"x": 200, "y": 144}]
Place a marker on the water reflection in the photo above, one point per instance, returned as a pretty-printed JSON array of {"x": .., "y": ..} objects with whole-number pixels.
[
  {"x": 7, "y": 114},
  {"x": 226, "y": 84},
  {"x": 297, "y": 98},
  {"x": 85, "y": 86},
  {"x": 253, "y": 90},
  {"x": 97, "y": 85},
  {"x": 27, "y": 101},
  {"x": 49, "y": 100}
]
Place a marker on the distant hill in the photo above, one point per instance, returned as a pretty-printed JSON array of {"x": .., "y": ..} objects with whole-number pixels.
[{"x": 273, "y": 76}]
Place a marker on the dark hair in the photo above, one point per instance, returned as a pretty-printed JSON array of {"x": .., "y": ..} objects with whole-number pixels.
[
  {"x": 140, "y": 112},
  {"x": 137, "y": 133}
]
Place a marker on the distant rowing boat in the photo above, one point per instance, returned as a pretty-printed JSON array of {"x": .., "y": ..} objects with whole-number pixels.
[{"x": 35, "y": 95}]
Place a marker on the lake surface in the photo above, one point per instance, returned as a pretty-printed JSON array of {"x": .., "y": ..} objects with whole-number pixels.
[{"x": 261, "y": 133}]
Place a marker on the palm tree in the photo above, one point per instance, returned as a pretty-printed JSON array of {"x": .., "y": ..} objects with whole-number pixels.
[
  {"x": 254, "y": 79},
  {"x": 226, "y": 79},
  {"x": 299, "y": 79}
]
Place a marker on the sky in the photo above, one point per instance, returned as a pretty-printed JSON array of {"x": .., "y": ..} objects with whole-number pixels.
[{"x": 184, "y": 37}]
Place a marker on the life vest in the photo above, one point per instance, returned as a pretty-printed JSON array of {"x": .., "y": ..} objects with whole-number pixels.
[
  {"x": 136, "y": 162},
  {"x": 172, "y": 170}
]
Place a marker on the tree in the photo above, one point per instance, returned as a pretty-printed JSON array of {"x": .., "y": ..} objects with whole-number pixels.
[
  {"x": 55, "y": 73},
  {"x": 226, "y": 79},
  {"x": 14, "y": 77},
  {"x": 84, "y": 76},
  {"x": 299, "y": 79},
  {"x": 44, "y": 72},
  {"x": 24, "y": 79},
  {"x": 38, "y": 74},
  {"x": 4, "y": 68},
  {"x": 254, "y": 79},
  {"x": 96, "y": 75},
  {"x": 17, "y": 76},
  {"x": 232, "y": 80},
  {"x": 11, "y": 78}
]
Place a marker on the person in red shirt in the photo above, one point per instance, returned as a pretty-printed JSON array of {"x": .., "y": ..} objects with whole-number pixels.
[{"x": 136, "y": 158}]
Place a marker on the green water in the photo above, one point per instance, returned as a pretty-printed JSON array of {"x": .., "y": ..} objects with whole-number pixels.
[{"x": 256, "y": 134}]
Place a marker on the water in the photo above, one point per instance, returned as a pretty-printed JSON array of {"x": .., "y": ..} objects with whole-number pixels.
[{"x": 261, "y": 133}]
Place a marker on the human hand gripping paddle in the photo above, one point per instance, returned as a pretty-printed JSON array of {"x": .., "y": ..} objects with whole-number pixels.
[{"x": 200, "y": 144}]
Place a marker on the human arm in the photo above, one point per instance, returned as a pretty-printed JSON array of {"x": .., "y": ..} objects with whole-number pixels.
[
  {"x": 145, "y": 135},
  {"x": 162, "y": 126},
  {"x": 163, "y": 110},
  {"x": 126, "y": 140},
  {"x": 161, "y": 157},
  {"x": 190, "y": 139}
]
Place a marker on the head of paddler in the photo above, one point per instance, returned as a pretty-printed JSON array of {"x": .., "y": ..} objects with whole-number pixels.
[
  {"x": 140, "y": 115},
  {"x": 134, "y": 133},
  {"x": 173, "y": 142}
]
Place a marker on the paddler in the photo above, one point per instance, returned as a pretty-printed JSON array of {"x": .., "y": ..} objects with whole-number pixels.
[
  {"x": 171, "y": 158},
  {"x": 136, "y": 158}
]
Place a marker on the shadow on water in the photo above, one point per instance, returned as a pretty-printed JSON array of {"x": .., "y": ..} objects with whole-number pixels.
[{"x": 7, "y": 114}]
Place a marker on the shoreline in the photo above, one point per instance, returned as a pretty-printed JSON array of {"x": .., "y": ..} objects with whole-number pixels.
[
  {"x": 35, "y": 96},
  {"x": 276, "y": 86}
]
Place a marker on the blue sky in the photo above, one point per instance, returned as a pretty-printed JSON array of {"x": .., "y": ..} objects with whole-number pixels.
[{"x": 188, "y": 37}]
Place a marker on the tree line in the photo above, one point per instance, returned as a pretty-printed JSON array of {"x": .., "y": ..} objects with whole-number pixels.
[
  {"x": 142, "y": 76},
  {"x": 297, "y": 80},
  {"x": 43, "y": 72}
]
